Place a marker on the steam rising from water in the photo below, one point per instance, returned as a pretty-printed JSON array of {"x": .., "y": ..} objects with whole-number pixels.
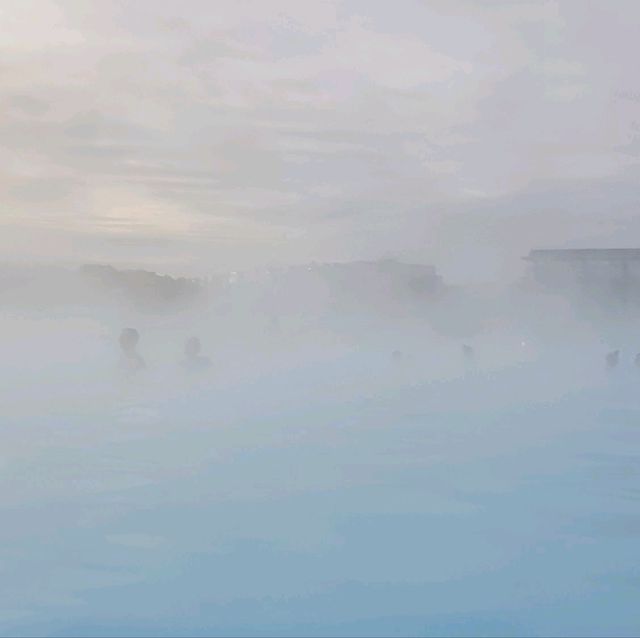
[{"x": 309, "y": 481}]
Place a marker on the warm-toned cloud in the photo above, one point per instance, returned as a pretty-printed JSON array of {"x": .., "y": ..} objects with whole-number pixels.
[{"x": 250, "y": 132}]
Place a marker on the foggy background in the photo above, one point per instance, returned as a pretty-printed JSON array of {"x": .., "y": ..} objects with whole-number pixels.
[{"x": 402, "y": 421}]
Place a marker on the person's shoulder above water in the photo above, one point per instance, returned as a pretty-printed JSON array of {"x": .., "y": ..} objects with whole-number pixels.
[{"x": 133, "y": 362}]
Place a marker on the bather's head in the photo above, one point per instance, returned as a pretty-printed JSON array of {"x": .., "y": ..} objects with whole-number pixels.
[
  {"x": 192, "y": 347},
  {"x": 129, "y": 338}
]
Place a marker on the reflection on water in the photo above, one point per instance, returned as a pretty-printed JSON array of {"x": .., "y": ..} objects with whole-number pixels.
[{"x": 344, "y": 494}]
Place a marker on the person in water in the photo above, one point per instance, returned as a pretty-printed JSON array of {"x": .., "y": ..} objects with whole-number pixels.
[
  {"x": 468, "y": 353},
  {"x": 193, "y": 360},
  {"x": 612, "y": 359},
  {"x": 637, "y": 360},
  {"x": 130, "y": 359}
]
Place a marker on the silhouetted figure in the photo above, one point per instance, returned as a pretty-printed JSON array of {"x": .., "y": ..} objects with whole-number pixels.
[
  {"x": 613, "y": 358},
  {"x": 193, "y": 360},
  {"x": 130, "y": 359},
  {"x": 468, "y": 354}
]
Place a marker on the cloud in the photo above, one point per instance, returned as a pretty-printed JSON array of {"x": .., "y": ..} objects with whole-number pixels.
[{"x": 258, "y": 122}]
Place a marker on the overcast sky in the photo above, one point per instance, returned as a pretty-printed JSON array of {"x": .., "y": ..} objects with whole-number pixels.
[{"x": 195, "y": 135}]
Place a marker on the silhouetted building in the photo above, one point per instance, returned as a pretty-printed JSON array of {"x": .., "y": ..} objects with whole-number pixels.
[
  {"x": 383, "y": 286},
  {"x": 591, "y": 271},
  {"x": 143, "y": 287}
]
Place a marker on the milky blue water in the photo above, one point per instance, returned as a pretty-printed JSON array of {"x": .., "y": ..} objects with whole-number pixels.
[{"x": 340, "y": 494}]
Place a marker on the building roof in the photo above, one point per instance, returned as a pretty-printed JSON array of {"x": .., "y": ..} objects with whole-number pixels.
[{"x": 585, "y": 254}]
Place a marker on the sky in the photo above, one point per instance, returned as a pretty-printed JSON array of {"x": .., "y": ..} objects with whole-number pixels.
[{"x": 193, "y": 136}]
